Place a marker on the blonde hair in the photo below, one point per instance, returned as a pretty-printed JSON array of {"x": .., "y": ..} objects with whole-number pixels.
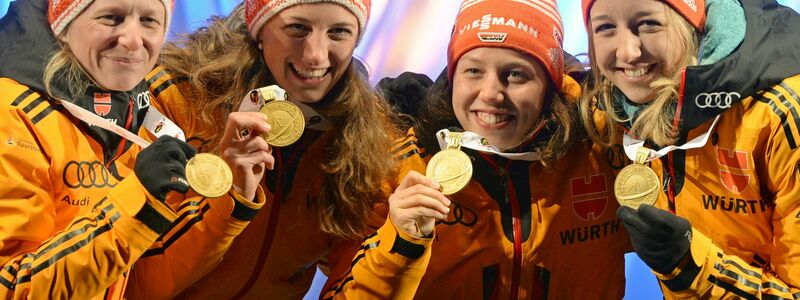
[
  {"x": 436, "y": 113},
  {"x": 655, "y": 122},
  {"x": 64, "y": 70},
  {"x": 222, "y": 63}
]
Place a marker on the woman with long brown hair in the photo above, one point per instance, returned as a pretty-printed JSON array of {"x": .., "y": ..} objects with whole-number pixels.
[{"x": 326, "y": 187}]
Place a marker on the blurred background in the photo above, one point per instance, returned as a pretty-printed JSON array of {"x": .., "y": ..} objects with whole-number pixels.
[{"x": 412, "y": 35}]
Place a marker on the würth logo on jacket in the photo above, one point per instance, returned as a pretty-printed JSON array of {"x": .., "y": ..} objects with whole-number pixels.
[
  {"x": 734, "y": 168},
  {"x": 589, "y": 196},
  {"x": 102, "y": 104}
]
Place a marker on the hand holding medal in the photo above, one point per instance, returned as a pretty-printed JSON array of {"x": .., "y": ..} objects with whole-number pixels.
[
  {"x": 451, "y": 167},
  {"x": 206, "y": 174}
]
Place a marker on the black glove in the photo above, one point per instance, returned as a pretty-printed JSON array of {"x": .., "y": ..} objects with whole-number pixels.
[
  {"x": 661, "y": 239},
  {"x": 405, "y": 92},
  {"x": 161, "y": 167}
]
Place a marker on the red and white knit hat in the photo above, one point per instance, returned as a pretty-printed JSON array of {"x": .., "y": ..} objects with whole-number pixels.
[
  {"x": 61, "y": 12},
  {"x": 693, "y": 11},
  {"x": 259, "y": 12},
  {"x": 530, "y": 26}
]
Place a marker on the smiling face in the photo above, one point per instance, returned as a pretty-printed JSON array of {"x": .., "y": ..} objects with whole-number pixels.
[
  {"x": 633, "y": 44},
  {"x": 117, "y": 41},
  {"x": 498, "y": 93},
  {"x": 309, "y": 47}
]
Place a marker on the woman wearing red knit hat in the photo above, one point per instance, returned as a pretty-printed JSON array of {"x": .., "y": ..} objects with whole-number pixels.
[
  {"x": 327, "y": 188},
  {"x": 80, "y": 204},
  {"x": 703, "y": 96},
  {"x": 536, "y": 220}
]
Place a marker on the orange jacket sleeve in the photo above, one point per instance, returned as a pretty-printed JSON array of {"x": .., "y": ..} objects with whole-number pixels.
[{"x": 388, "y": 264}]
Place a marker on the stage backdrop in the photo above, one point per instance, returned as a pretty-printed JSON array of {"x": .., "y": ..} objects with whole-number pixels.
[{"x": 412, "y": 35}]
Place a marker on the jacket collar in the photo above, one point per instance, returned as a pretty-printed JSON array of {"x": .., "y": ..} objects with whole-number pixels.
[{"x": 767, "y": 56}]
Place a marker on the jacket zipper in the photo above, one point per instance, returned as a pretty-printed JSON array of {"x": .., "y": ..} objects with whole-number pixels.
[
  {"x": 121, "y": 148},
  {"x": 670, "y": 183},
  {"x": 516, "y": 224}
]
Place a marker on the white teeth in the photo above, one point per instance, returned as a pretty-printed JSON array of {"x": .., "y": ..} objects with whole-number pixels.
[
  {"x": 492, "y": 119},
  {"x": 310, "y": 74},
  {"x": 636, "y": 73}
]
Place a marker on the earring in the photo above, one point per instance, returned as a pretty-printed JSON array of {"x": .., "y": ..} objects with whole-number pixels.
[{"x": 260, "y": 47}]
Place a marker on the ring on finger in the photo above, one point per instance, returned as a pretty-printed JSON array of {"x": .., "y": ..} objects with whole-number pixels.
[{"x": 179, "y": 179}]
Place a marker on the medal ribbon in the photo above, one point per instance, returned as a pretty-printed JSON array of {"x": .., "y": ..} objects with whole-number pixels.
[
  {"x": 476, "y": 142},
  {"x": 151, "y": 120},
  {"x": 636, "y": 151},
  {"x": 256, "y": 98}
]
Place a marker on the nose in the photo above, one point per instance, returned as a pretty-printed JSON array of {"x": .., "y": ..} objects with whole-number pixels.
[
  {"x": 130, "y": 35},
  {"x": 629, "y": 47},
  {"x": 492, "y": 90},
  {"x": 315, "y": 50}
]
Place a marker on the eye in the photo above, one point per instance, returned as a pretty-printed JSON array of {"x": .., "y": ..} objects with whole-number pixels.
[
  {"x": 516, "y": 76},
  {"x": 648, "y": 25},
  {"x": 150, "y": 21},
  {"x": 297, "y": 30},
  {"x": 473, "y": 72},
  {"x": 111, "y": 19},
  {"x": 340, "y": 33},
  {"x": 603, "y": 28}
]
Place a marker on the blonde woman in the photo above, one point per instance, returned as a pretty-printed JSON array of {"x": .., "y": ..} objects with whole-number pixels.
[{"x": 706, "y": 91}]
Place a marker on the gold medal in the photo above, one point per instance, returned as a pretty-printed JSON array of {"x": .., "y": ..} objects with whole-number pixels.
[
  {"x": 451, "y": 167},
  {"x": 637, "y": 184},
  {"x": 286, "y": 120},
  {"x": 209, "y": 175}
]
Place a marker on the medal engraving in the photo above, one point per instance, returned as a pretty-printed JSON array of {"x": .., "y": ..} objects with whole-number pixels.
[
  {"x": 287, "y": 123},
  {"x": 209, "y": 175},
  {"x": 635, "y": 185},
  {"x": 451, "y": 167}
]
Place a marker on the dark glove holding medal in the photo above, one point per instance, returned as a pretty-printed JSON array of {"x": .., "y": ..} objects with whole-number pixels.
[
  {"x": 406, "y": 92},
  {"x": 661, "y": 239},
  {"x": 161, "y": 167}
]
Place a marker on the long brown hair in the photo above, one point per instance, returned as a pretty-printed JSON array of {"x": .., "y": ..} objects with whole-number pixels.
[
  {"x": 436, "y": 113},
  {"x": 655, "y": 122},
  {"x": 222, "y": 63}
]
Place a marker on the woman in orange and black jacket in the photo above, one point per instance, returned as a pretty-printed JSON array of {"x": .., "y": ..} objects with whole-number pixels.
[
  {"x": 326, "y": 189},
  {"x": 718, "y": 79},
  {"x": 81, "y": 205},
  {"x": 536, "y": 220}
]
